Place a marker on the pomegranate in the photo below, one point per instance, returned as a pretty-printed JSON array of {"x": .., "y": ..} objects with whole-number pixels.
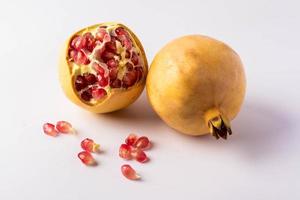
[
  {"x": 103, "y": 67},
  {"x": 196, "y": 84}
]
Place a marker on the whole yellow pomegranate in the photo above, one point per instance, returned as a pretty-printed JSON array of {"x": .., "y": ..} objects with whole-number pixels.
[
  {"x": 196, "y": 84},
  {"x": 103, "y": 67}
]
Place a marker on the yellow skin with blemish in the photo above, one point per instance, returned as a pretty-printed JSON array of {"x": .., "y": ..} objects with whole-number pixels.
[
  {"x": 116, "y": 98},
  {"x": 194, "y": 79}
]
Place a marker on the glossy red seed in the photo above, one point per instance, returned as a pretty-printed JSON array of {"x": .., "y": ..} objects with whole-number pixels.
[
  {"x": 111, "y": 46},
  {"x": 86, "y": 158},
  {"x": 80, "y": 83},
  {"x": 106, "y": 55},
  {"x": 103, "y": 82},
  {"x": 98, "y": 93},
  {"x": 80, "y": 58},
  {"x": 135, "y": 58},
  {"x": 78, "y": 42},
  {"x": 49, "y": 129},
  {"x": 127, "y": 43},
  {"x": 125, "y": 151},
  {"x": 86, "y": 95},
  {"x": 90, "y": 78},
  {"x": 129, "y": 172},
  {"x": 72, "y": 54},
  {"x": 129, "y": 66},
  {"x": 139, "y": 155},
  {"x": 127, "y": 54},
  {"x": 64, "y": 127},
  {"x": 113, "y": 73},
  {"x": 139, "y": 72},
  {"x": 129, "y": 79},
  {"x": 142, "y": 142},
  {"x": 116, "y": 83},
  {"x": 112, "y": 63},
  {"x": 131, "y": 138},
  {"x": 120, "y": 31},
  {"x": 98, "y": 68},
  {"x": 89, "y": 145},
  {"x": 101, "y": 34},
  {"x": 90, "y": 41}
]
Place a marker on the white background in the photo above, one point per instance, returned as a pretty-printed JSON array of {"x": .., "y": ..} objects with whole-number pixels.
[{"x": 261, "y": 160}]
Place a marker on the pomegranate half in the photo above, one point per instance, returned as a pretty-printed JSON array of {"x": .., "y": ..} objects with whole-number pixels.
[
  {"x": 103, "y": 67},
  {"x": 196, "y": 84}
]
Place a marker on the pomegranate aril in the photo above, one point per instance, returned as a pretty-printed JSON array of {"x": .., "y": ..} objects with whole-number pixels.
[
  {"x": 112, "y": 63},
  {"x": 101, "y": 34},
  {"x": 129, "y": 66},
  {"x": 129, "y": 79},
  {"x": 98, "y": 68},
  {"x": 98, "y": 93},
  {"x": 90, "y": 78},
  {"x": 131, "y": 138},
  {"x": 103, "y": 82},
  {"x": 111, "y": 46},
  {"x": 106, "y": 55},
  {"x": 64, "y": 127},
  {"x": 113, "y": 73},
  {"x": 120, "y": 31},
  {"x": 139, "y": 72},
  {"x": 78, "y": 42},
  {"x": 142, "y": 143},
  {"x": 49, "y": 129},
  {"x": 135, "y": 58},
  {"x": 90, "y": 41},
  {"x": 89, "y": 145},
  {"x": 125, "y": 151},
  {"x": 86, "y": 95},
  {"x": 116, "y": 83},
  {"x": 127, "y": 43},
  {"x": 139, "y": 155},
  {"x": 127, "y": 54},
  {"x": 72, "y": 54},
  {"x": 86, "y": 158},
  {"x": 80, "y": 83},
  {"x": 129, "y": 172},
  {"x": 80, "y": 58}
]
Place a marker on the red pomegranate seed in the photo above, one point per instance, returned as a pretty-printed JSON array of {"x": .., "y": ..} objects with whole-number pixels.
[
  {"x": 98, "y": 93},
  {"x": 89, "y": 145},
  {"x": 142, "y": 143},
  {"x": 111, "y": 46},
  {"x": 120, "y": 31},
  {"x": 103, "y": 82},
  {"x": 72, "y": 54},
  {"x": 129, "y": 172},
  {"x": 139, "y": 72},
  {"x": 113, "y": 73},
  {"x": 90, "y": 78},
  {"x": 80, "y": 58},
  {"x": 139, "y": 155},
  {"x": 112, "y": 63},
  {"x": 106, "y": 55},
  {"x": 86, "y": 158},
  {"x": 78, "y": 42},
  {"x": 90, "y": 41},
  {"x": 135, "y": 58},
  {"x": 98, "y": 68},
  {"x": 49, "y": 129},
  {"x": 131, "y": 138},
  {"x": 125, "y": 151},
  {"x": 101, "y": 34},
  {"x": 127, "y": 43},
  {"x": 86, "y": 95},
  {"x": 129, "y": 79},
  {"x": 116, "y": 83},
  {"x": 80, "y": 83},
  {"x": 64, "y": 127},
  {"x": 127, "y": 54},
  {"x": 129, "y": 66}
]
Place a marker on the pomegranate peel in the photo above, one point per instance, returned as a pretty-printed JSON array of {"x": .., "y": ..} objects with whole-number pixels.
[
  {"x": 113, "y": 51},
  {"x": 197, "y": 84}
]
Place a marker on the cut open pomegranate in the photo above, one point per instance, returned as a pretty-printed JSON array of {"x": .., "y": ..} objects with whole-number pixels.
[{"x": 105, "y": 58}]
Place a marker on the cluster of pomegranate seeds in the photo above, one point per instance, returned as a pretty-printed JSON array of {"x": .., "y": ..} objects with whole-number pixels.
[
  {"x": 129, "y": 172},
  {"x": 87, "y": 158},
  {"x": 61, "y": 127},
  {"x": 133, "y": 149},
  {"x": 89, "y": 145},
  {"x": 110, "y": 58}
]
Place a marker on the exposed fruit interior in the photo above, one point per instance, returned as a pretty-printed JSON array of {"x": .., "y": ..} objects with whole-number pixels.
[{"x": 103, "y": 59}]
